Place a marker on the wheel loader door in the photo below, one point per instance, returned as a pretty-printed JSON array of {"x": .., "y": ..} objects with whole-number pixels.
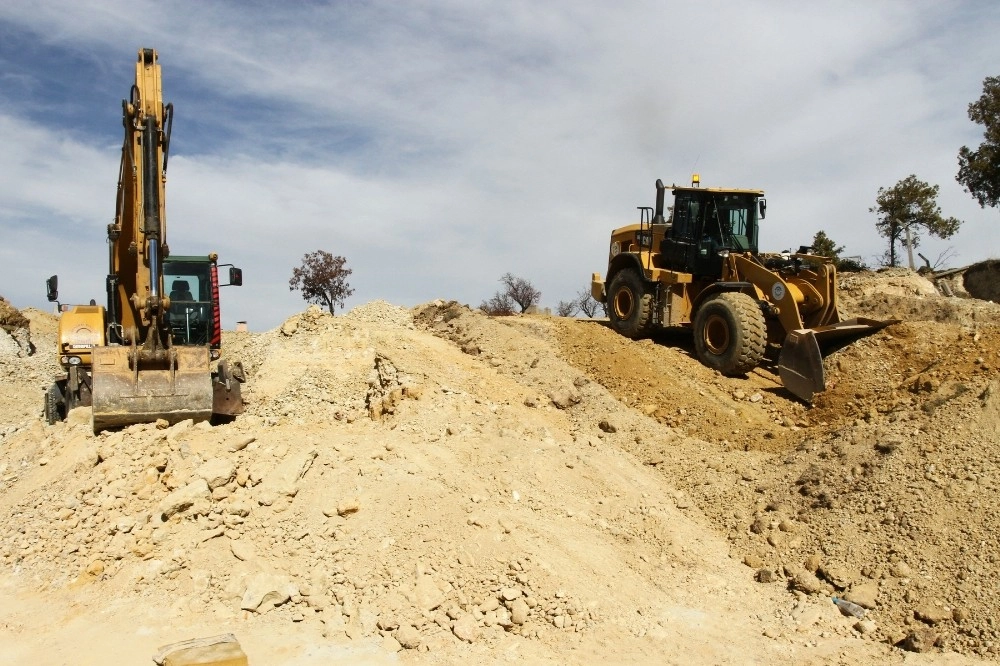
[{"x": 679, "y": 246}]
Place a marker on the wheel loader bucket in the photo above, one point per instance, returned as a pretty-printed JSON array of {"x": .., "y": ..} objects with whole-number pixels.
[
  {"x": 800, "y": 364},
  {"x": 126, "y": 393}
]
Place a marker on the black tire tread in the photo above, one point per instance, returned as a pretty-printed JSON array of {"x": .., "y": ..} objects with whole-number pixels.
[
  {"x": 751, "y": 338},
  {"x": 640, "y": 324}
]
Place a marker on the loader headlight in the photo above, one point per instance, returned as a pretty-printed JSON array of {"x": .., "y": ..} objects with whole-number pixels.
[
  {"x": 615, "y": 248},
  {"x": 778, "y": 291},
  {"x": 724, "y": 253},
  {"x": 74, "y": 360}
]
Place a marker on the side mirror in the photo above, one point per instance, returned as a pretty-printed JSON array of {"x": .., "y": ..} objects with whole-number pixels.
[
  {"x": 235, "y": 276},
  {"x": 52, "y": 285},
  {"x": 762, "y": 207}
]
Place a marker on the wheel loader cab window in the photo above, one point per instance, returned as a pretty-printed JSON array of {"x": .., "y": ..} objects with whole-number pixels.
[
  {"x": 735, "y": 216},
  {"x": 685, "y": 216},
  {"x": 190, "y": 314}
]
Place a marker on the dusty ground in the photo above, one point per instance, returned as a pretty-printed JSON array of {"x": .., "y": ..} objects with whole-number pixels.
[{"x": 434, "y": 486}]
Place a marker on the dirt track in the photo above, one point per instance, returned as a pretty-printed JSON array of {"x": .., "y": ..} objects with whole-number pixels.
[{"x": 437, "y": 486}]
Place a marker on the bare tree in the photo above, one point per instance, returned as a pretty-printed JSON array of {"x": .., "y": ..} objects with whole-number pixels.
[
  {"x": 500, "y": 305},
  {"x": 588, "y": 304},
  {"x": 520, "y": 291},
  {"x": 322, "y": 278},
  {"x": 567, "y": 308},
  {"x": 517, "y": 291},
  {"x": 941, "y": 263}
]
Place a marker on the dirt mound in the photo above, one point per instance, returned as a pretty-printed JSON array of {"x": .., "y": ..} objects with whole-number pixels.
[
  {"x": 15, "y": 337},
  {"x": 533, "y": 489},
  {"x": 882, "y": 491},
  {"x": 10, "y": 317},
  {"x": 982, "y": 280}
]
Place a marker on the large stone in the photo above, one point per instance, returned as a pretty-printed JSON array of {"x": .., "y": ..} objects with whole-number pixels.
[
  {"x": 564, "y": 398},
  {"x": 807, "y": 582},
  {"x": 241, "y": 443},
  {"x": 466, "y": 628},
  {"x": 863, "y": 594},
  {"x": 284, "y": 479},
  {"x": 427, "y": 594},
  {"x": 183, "y": 499},
  {"x": 408, "y": 637},
  {"x": 931, "y": 614},
  {"x": 79, "y": 416},
  {"x": 510, "y": 593},
  {"x": 920, "y": 639},
  {"x": 838, "y": 574},
  {"x": 217, "y": 472},
  {"x": 264, "y": 591},
  {"x": 518, "y": 611},
  {"x": 223, "y": 650},
  {"x": 242, "y": 550}
]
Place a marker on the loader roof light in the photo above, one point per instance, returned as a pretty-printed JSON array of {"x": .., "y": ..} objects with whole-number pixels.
[{"x": 695, "y": 180}]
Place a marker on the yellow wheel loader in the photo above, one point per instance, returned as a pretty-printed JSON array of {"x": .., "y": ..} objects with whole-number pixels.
[
  {"x": 700, "y": 268},
  {"x": 151, "y": 353}
]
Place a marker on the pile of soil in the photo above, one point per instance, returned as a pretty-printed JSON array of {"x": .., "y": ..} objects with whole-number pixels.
[{"x": 437, "y": 486}]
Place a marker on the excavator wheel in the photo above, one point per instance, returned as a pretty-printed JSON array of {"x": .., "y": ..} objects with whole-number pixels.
[
  {"x": 730, "y": 333},
  {"x": 54, "y": 406},
  {"x": 630, "y": 308}
]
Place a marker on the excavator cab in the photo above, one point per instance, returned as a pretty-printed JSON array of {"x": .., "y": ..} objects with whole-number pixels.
[
  {"x": 192, "y": 283},
  {"x": 190, "y": 315}
]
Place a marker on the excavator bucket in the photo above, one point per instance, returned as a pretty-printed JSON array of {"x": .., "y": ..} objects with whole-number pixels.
[
  {"x": 800, "y": 364},
  {"x": 126, "y": 393}
]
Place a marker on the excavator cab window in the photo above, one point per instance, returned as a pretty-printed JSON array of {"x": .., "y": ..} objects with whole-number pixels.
[{"x": 190, "y": 289}]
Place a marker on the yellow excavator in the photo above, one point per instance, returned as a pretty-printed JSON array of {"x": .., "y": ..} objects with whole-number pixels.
[
  {"x": 151, "y": 353},
  {"x": 700, "y": 268}
]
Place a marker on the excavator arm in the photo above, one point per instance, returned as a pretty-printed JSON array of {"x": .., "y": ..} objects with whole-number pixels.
[{"x": 141, "y": 376}]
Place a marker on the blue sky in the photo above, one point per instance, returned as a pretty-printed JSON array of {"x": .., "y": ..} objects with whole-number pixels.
[{"x": 438, "y": 145}]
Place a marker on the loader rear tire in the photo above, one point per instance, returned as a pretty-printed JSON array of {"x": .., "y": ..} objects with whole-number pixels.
[
  {"x": 730, "y": 333},
  {"x": 630, "y": 307}
]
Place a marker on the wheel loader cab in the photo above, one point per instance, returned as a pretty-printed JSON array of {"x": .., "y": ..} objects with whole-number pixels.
[
  {"x": 706, "y": 224},
  {"x": 190, "y": 315}
]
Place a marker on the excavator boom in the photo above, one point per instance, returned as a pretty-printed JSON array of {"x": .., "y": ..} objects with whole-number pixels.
[
  {"x": 149, "y": 355},
  {"x": 142, "y": 376}
]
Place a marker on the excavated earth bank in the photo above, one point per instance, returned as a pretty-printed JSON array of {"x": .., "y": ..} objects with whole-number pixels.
[{"x": 436, "y": 486}]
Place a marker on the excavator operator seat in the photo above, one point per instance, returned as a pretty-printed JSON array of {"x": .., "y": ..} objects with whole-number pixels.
[{"x": 180, "y": 290}]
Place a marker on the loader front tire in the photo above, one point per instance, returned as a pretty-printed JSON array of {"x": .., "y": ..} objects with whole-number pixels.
[
  {"x": 630, "y": 307},
  {"x": 730, "y": 333}
]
